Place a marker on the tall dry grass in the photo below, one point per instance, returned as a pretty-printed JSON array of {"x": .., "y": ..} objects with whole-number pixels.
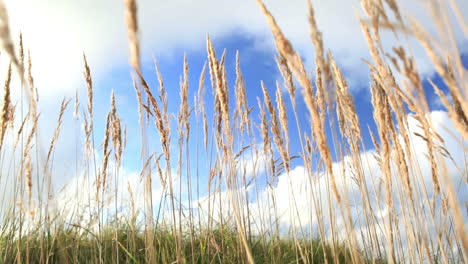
[{"x": 222, "y": 201}]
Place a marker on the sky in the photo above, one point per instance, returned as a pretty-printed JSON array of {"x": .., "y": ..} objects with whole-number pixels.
[{"x": 58, "y": 33}]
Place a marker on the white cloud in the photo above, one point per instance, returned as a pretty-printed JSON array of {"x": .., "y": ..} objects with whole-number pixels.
[
  {"x": 57, "y": 32},
  {"x": 77, "y": 201}
]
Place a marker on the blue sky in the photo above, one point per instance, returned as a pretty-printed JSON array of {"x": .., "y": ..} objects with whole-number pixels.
[{"x": 256, "y": 66}]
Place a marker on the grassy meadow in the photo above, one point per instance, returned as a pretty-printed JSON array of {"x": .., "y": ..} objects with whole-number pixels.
[{"x": 231, "y": 188}]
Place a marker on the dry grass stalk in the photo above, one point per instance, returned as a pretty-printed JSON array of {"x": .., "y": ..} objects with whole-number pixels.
[
  {"x": 458, "y": 14},
  {"x": 224, "y": 80},
  {"x": 88, "y": 125},
  {"x": 416, "y": 91},
  {"x": 392, "y": 4},
  {"x": 456, "y": 101},
  {"x": 184, "y": 114},
  {"x": 283, "y": 117},
  {"x": 377, "y": 12},
  {"x": 347, "y": 116},
  {"x": 63, "y": 107},
  {"x": 6, "y": 115},
  {"x": 26, "y": 161},
  {"x": 287, "y": 77},
  {"x": 275, "y": 128},
  {"x": 384, "y": 76},
  {"x": 154, "y": 104},
  {"x": 162, "y": 124},
  {"x": 36, "y": 93},
  {"x": 132, "y": 33},
  {"x": 242, "y": 108},
  {"x": 420, "y": 107},
  {"x": 286, "y": 50},
  {"x": 89, "y": 85},
  {"x": 140, "y": 113},
  {"x": 320, "y": 93},
  {"x": 349, "y": 125},
  {"x": 20, "y": 131},
  {"x": 101, "y": 182},
  {"x": 162, "y": 94},
  {"x": 213, "y": 66},
  {"x": 395, "y": 100},
  {"x": 218, "y": 118},
  {"x": 383, "y": 120},
  {"x": 321, "y": 64},
  {"x": 267, "y": 148},
  {"x": 132, "y": 202},
  {"x": 183, "y": 130},
  {"x": 116, "y": 131},
  {"x": 29, "y": 182},
  {"x": 32, "y": 99},
  {"x": 201, "y": 105},
  {"x": 76, "y": 113},
  {"x": 161, "y": 120},
  {"x": 373, "y": 50},
  {"x": 31, "y": 134},
  {"x": 199, "y": 99},
  {"x": 455, "y": 107},
  {"x": 402, "y": 166},
  {"x": 6, "y": 42},
  {"x": 221, "y": 92},
  {"x": 162, "y": 176},
  {"x": 85, "y": 128},
  {"x": 21, "y": 50},
  {"x": 454, "y": 110}
]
